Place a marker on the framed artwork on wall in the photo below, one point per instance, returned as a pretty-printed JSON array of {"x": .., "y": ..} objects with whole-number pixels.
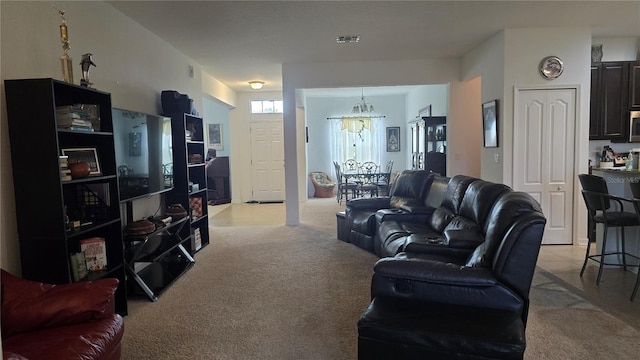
[
  {"x": 393, "y": 138},
  {"x": 490, "y": 123},
  {"x": 215, "y": 136}
]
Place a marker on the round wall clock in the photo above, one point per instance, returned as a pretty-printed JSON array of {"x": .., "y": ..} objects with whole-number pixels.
[{"x": 551, "y": 67}]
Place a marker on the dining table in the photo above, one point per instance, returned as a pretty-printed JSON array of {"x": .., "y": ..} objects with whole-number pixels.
[{"x": 367, "y": 182}]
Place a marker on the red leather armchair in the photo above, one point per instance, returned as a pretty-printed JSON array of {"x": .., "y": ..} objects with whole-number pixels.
[{"x": 70, "y": 321}]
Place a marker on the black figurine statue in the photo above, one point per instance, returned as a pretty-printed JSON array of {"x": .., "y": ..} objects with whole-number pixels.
[{"x": 85, "y": 63}]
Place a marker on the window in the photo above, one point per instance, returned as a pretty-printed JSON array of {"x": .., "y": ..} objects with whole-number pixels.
[
  {"x": 359, "y": 138},
  {"x": 266, "y": 107}
]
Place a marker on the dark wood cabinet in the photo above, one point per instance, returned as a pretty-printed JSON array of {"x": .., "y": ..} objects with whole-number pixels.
[
  {"x": 190, "y": 177},
  {"x": 609, "y": 108},
  {"x": 45, "y": 200},
  {"x": 634, "y": 86},
  {"x": 429, "y": 144}
]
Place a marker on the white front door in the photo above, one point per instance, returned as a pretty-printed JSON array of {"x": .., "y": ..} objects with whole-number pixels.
[
  {"x": 267, "y": 161},
  {"x": 544, "y": 137}
]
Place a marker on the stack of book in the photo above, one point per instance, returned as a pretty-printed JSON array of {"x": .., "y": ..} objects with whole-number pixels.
[
  {"x": 74, "y": 117},
  {"x": 65, "y": 172}
]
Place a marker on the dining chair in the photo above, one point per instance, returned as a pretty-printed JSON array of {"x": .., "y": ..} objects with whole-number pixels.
[
  {"x": 350, "y": 165},
  {"x": 344, "y": 185},
  {"x": 368, "y": 174},
  {"x": 384, "y": 180},
  {"x": 601, "y": 211}
]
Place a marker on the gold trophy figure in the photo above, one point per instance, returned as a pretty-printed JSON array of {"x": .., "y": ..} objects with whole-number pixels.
[{"x": 65, "y": 59}]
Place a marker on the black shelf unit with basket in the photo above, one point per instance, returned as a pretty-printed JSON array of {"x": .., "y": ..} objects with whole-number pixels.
[
  {"x": 48, "y": 203},
  {"x": 190, "y": 176}
]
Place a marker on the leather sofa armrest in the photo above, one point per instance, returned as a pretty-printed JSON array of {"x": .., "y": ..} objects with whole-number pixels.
[
  {"x": 29, "y": 305},
  {"x": 463, "y": 238},
  {"x": 400, "y": 216},
  {"x": 369, "y": 204},
  {"x": 407, "y": 266},
  {"x": 431, "y": 278}
]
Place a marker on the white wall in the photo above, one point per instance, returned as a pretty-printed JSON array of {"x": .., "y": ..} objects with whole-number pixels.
[
  {"x": 132, "y": 64},
  {"x": 216, "y": 112},
  {"x": 486, "y": 64}
]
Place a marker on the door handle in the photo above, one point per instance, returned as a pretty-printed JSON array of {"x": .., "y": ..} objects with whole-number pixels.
[{"x": 559, "y": 188}]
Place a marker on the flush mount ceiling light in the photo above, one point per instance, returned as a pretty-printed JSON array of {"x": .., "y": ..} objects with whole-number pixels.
[
  {"x": 256, "y": 85},
  {"x": 362, "y": 106},
  {"x": 347, "y": 39}
]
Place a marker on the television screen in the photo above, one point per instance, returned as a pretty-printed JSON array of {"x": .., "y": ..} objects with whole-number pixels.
[{"x": 144, "y": 156}]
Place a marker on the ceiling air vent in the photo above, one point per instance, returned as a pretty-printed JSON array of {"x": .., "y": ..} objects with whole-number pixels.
[{"x": 347, "y": 39}]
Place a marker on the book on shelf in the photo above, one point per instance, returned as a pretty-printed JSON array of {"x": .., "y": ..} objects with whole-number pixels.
[
  {"x": 65, "y": 172},
  {"x": 78, "y": 266},
  {"x": 95, "y": 252},
  {"x": 77, "y": 128},
  {"x": 197, "y": 238}
]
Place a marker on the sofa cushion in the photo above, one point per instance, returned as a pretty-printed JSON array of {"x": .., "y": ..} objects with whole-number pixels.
[
  {"x": 410, "y": 188},
  {"x": 29, "y": 305},
  {"x": 450, "y": 206},
  {"x": 96, "y": 339},
  {"x": 510, "y": 207},
  {"x": 479, "y": 199}
]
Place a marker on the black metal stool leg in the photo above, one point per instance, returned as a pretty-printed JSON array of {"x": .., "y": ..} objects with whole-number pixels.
[
  {"x": 602, "y": 254},
  {"x": 635, "y": 288},
  {"x": 624, "y": 252},
  {"x": 586, "y": 258}
]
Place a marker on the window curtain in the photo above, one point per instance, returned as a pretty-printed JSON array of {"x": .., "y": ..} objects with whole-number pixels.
[{"x": 359, "y": 138}]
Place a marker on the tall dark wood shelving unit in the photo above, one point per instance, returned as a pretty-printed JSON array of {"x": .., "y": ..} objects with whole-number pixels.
[
  {"x": 429, "y": 144},
  {"x": 43, "y": 199},
  {"x": 189, "y": 168}
]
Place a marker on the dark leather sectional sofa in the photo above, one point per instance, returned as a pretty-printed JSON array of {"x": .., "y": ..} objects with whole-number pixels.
[{"x": 462, "y": 249}]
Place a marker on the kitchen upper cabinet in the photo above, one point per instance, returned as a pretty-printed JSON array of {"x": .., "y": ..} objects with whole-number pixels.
[
  {"x": 609, "y": 101},
  {"x": 634, "y": 87}
]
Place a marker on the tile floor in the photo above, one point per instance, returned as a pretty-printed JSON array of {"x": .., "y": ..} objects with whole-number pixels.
[{"x": 563, "y": 261}]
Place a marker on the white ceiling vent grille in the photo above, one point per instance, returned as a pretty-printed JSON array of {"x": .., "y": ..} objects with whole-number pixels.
[{"x": 347, "y": 39}]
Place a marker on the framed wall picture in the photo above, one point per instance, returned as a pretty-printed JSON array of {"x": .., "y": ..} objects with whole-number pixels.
[
  {"x": 393, "y": 138},
  {"x": 490, "y": 123},
  {"x": 215, "y": 136},
  {"x": 88, "y": 155},
  {"x": 135, "y": 144}
]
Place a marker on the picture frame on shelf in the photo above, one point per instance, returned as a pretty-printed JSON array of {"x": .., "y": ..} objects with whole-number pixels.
[
  {"x": 425, "y": 111},
  {"x": 393, "y": 138},
  {"x": 490, "y": 123},
  {"x": 88, "y": 155},
  {"x": 215, "y": 136}
]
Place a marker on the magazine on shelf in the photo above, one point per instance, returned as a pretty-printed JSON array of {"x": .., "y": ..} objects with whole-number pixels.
[
  {"x": 95, "y": 252},
  {"x": 78, "y": 266}
]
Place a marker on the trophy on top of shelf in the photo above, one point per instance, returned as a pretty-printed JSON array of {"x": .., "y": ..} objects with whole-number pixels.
[
  {"x": 65, "y": 59},
  {"x": 86, "y": 63}
]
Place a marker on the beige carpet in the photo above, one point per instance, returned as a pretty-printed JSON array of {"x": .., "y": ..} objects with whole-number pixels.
[{"x": 279, "y": 292}]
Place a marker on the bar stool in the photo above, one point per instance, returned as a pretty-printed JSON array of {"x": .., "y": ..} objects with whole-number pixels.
[{"x": 598, "y": 200}]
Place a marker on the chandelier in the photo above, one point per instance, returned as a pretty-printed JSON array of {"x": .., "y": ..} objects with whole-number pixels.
[{"x": 362, "y": 106}]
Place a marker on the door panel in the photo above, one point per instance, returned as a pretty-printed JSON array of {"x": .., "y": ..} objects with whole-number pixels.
[
  {"x": 267, "y": 161},
  {"x": 544, "y": 129}
]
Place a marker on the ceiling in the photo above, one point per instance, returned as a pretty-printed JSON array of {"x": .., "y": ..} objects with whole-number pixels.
[{"x": 240, "y": 41}]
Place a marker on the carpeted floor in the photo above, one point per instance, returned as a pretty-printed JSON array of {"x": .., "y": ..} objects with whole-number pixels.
[{"x": 281, "y": 292}]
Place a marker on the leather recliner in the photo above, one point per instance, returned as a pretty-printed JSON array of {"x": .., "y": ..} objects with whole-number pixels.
[{"x": 409, "y": 190}]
